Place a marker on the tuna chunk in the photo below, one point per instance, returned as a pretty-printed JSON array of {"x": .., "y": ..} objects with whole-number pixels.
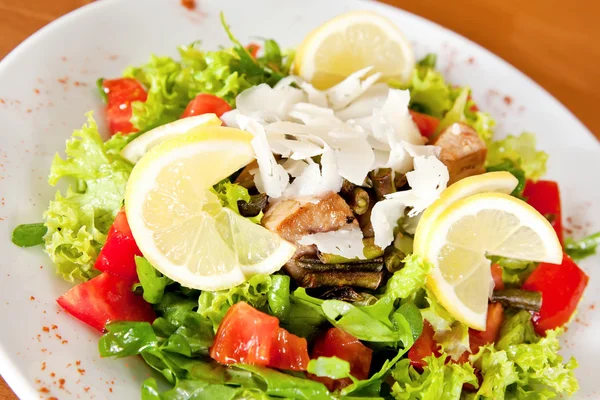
[
  {"x": 463, "y": 152},
  {"x": 292, "y": 219}
]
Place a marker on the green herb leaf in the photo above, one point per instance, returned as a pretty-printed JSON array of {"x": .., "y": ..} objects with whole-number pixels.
[
  {"x": 278, "y": 297},
  {"x": 124, "y": 339},
  {"x": 27, "y": 235},
  {"x": 579, "y": 249},
  {"x": 152, "y": 281},
  {"x": 100, "y": 86},
  {"x": 331, "y": 367}
]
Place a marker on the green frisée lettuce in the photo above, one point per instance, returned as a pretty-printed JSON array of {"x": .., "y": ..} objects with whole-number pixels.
[
  {"x": 521, "y": 151},
  {"x": 78, "y": 220},
  {"x": 224, "y": 73}
]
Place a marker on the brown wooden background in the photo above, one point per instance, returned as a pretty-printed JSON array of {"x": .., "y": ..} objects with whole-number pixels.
[{"x": 555, "y": 42}]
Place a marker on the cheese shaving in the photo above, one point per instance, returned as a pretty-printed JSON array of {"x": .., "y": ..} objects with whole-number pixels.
[{"x": 345, "y": 243}]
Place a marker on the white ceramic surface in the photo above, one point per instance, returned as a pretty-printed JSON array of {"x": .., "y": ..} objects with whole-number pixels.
[{"x": 48, "y": 82}]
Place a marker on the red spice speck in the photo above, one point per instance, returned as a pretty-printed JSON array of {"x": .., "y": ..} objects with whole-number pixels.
[
  {"x": 110, "y": 390},
  {"x": 64, "y": 342},
  {"x": 54, "y": 327},
  {"x": 2, "y": 101},
  {"x": 69, "y": 364},
  {"x": 61, "y": 383},
  {"x": 58, "y": 336},
  {"x": 45, "y": 329},
  {"x": 52, "y": 398},
  {"x": 189, "y": 4},
  {"x": 36, "y": 91},
  {"x": 507, "y": 100},
  {"x": 29, "y": 110},
  {"x": 86, "y": 389},
  {"x": 44, "y": 350},
  {"x": 471, "y": 60},
  {"x": 41, "y": 267},
  {"x": 39, "y": 338},
  {"x": 44, "y": 390},
  {"x": 77, "y": 83},
  {"x": 77, "y": 362},
  {"x": 38, "y": 381},
  {"x": 52, "y": 375},
  {"x": 64, "y": 58},
  {"x": 592, "y": 306},
  {"x": 113, "y": 57},
  {"x": 64, "y": 80},
  {"x": 31, "y": 298},
  {"x": 43, "y": 366},
  {"x": 81, "y": 371}
]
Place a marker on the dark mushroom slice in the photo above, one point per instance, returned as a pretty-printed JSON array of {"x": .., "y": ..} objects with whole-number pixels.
[
  {"x": 518, "y": 298},
  {"x": 257, "y": 203},
  {"x": 313, "y": 279},
  {"x": 383, "y": 182}
]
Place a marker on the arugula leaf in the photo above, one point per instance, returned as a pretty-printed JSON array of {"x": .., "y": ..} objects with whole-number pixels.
[
  {"x": 123, "y": 339},
  {"x": 152, "y": 282},
  {"x": 582, "y": 248},
  {"x": 27, "y": 235},
  {"x": 199, "y": 390}
]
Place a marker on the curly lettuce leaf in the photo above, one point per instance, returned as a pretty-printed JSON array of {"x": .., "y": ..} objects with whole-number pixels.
[
  {"x": 516, "y": 328},
  {"x": 230, "y": 193},
  {"x": 439, "y": 380},
  {"x": 78, "y": 221},
  {"x": 457, "y": 112},
  {"x": 521, "y": 151}
]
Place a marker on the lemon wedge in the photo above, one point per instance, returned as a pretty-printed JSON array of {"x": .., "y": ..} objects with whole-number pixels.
[
  {"x": 143, "y": 143},
  {"x": 350, "y": 42},
  {"x": 179, "y": 223},
  {"x": 460, "y": 231}
]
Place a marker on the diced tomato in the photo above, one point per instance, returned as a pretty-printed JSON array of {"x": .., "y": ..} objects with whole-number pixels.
[
  {"x": 426, "y": 123},
  {"x": 562, "y": 287},
  {"x": 473, "y": 107},
  {"x": 544, "y": 196},
  {"x": 120, "y": 93},
  {"x": 289, "y": 352},
  {"x": 253, "y": 48},
  {"x": 206, "y": 103},
  {"x": 424, "y": 346},
  {"x": 337, "y": 343},
  {"x": 106, "y": 298},
  {"x": 117, "y": 256},
  {"x": 497, "y": 276},
  {"x": 495, "y": 316},
  {"x": 249, "y": 336}
]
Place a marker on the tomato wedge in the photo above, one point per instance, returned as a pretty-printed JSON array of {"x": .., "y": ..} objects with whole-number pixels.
[
  {"x": 117, "y": 257},
  {"x": 249, "y": 336},
  {"x": 120, "y": 93},
  {"x": 544, "y": 196},
  {"x": 497, "y": 276},
  {"x": 423, "y": 347},
  {"x": 495, "y": 317},
  {"x": 426, "y": 123},
  {"x": 206, "y": 103},
  {"x": 104, "y": 299},
  {"x": 253, "y": 48},
  {"x": 562, "y": 287},
  {"x": 337, "y": 343}
]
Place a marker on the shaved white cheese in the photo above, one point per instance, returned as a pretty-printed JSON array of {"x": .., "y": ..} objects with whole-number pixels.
[
  {"x": 345, "y": 243},
  {"x": 384, "y": 218},
  {"x": 306, "y": 113},
  {"x": 273, "y": 177},
  {"x": 351, "y": 88},
  {"x": 267, "y": 104},
  {"x": 427, "y": 181},
  {"x": 354, "y": 158},
  {"x": 315, "y": 181},
  {"x": 295, "y": 149},
  {"x": 416, "y": 150},
  {"x": 294, "y": 167},
  {"x": 229, "y": 118},
  {"x": 362, "y": 107}
]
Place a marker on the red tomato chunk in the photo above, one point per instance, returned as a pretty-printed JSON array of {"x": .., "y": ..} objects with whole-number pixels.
[
  {"x": 562, "y": 287},
  {"x": 544, "y": 196},
  {"x": 120, "y": 93},
  {"x": 205, "y": 104},
  {"x": 117, "y": 257},
  {"x": 337, "y": 343},
  {"x": 249, "y": 336},
  {"x": 104, "y": 299},
  {"x": 426, "y": 123}
]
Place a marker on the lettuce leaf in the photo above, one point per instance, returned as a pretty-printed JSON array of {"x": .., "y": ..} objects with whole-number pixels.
[
  {"x": 78, "y": 221},
  {"x": 521, "y": 151},
  {"x": 582, "y": 248},
  {"x": 439, "y": 380},
  {"x": 510, "y": 166},
  {"x": 230, "y": 193},
  {"x": 457, "y": 112},
  {"x": 516, "y": 328},
  {"x": 152, "y": 282}
]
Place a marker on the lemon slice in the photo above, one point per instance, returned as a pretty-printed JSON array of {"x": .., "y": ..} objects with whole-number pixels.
[
  {"x": 500, "y": 181},
  {"x": 143, "y": 143},
  {"x": 467, "y": 230},
  {"x": 178, "y": 221},
  {"x": 350, "y": 42}
]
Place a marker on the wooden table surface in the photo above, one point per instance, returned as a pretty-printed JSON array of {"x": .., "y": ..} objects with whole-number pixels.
[{"x": 552, "y": 41}]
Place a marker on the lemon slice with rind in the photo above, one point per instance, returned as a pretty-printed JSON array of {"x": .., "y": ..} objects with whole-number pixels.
[
  {"x": 459, "y": 238},
  {"x": 350, "y": 42},
  {"x": 179, "y": 223}
]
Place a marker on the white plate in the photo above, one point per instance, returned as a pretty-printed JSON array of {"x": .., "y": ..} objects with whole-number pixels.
[{"x": 101, "y": 40}]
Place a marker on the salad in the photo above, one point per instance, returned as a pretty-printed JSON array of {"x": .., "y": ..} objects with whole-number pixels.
[{"x": 335, "y": 221}]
